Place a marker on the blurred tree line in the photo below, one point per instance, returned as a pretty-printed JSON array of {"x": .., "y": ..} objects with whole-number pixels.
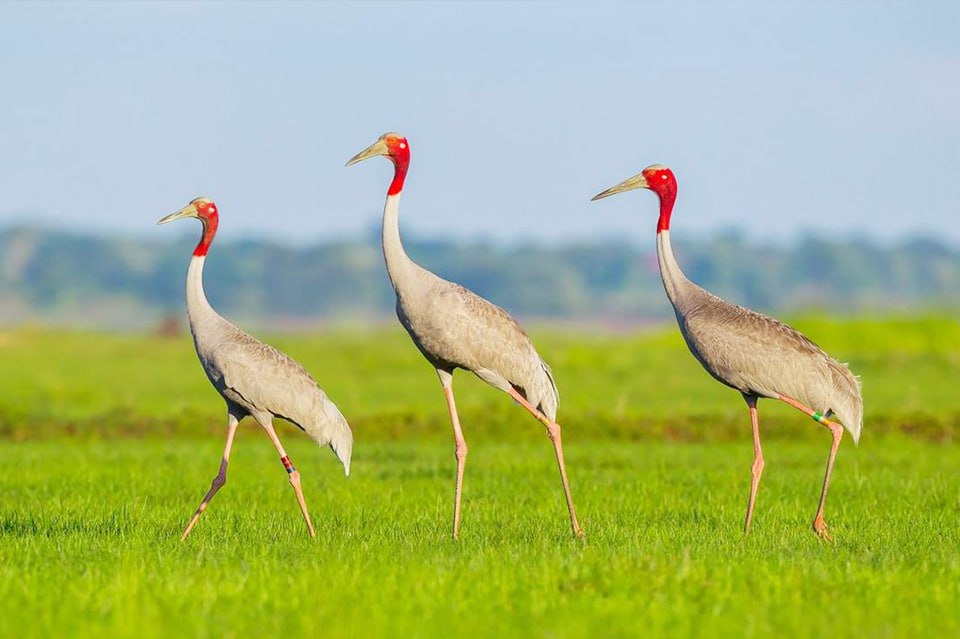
[{"x": 66, "y": 277}]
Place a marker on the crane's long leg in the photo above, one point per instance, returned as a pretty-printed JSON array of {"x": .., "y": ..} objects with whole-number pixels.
[
  {"x": 292, "y": 473},
  {"x": 836, "y": 430},
  {"x": 553, "y": 432},
  {"x": 446, "y": 379},
  {"x": 756, "y": 471},
  {"x": 220, "y": 479},
  {"x": 819, "y": 525}
]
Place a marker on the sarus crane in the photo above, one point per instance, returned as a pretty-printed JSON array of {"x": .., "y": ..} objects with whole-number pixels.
[
  {"x": 455, "y": 328},
  {"x": 752, "y": 353},
  {"x": 254, "y": 379}
]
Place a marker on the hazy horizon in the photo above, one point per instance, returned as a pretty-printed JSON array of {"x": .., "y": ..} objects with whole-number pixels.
[{"x": 642, "y": 237}]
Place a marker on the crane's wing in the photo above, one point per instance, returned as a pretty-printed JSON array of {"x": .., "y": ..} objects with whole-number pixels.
[
  {"x": 267, "y": 379},
  {"x": 458, "y": 326},
  {"x": 755, "y": 353}
]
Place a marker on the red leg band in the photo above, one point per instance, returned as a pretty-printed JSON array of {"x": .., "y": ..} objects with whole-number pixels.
[{"x": 287, "y": 464}]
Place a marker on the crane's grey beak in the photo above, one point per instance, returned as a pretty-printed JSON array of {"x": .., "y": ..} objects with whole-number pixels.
[
  {"x": 636, "y": 182},
  {"x": 187, "y": 211},
  {"x": 377, "y": 148}
]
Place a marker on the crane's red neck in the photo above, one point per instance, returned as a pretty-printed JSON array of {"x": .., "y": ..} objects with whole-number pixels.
[
  {"x": 207, "y": 213},
  {"x": 662, "y": 181},
  {"x": 666, "y": 210},
  {"x": 400, "y": 156}
]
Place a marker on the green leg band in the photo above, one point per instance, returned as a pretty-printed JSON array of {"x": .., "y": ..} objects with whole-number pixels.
[{"x": 817, "y": 417}]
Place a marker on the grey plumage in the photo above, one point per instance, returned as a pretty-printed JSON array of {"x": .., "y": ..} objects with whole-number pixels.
[
  {"x": 253, "y": 378},
  {"x": 258, "y": 380},
  {"x": 759, "y": 355},
  {"x": 752, "y": 353},
  {"x": 455, "y": 328}
]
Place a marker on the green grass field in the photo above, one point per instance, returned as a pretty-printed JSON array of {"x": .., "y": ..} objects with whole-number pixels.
[{"x": 107, "y": 444}]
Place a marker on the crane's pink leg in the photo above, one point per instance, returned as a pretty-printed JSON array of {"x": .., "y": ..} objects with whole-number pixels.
[
  {"x": 461, "y": 450},
  {"x": 819, "y": 525},
  {"x": 757, "y": 469},
  {"x": 836, "y": 430},
  {"x": 219, "y": 480},
  {"x": 292, "y": 473},
  {"x": 553, "y": 432}
]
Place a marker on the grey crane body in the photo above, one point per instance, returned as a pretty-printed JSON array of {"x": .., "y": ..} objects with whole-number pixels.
[
  {"x": 258, "y": 380},
  {"x": 253, "y": 378},
  {"x": 456, "y": 328},
  {"x": 750, "y": 352},
  {"x": 756, "y": 354},
  {"x": 759, "y": 355}
]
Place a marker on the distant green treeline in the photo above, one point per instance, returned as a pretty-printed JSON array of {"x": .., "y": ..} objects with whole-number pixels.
[{"x": 73, "y": 278}]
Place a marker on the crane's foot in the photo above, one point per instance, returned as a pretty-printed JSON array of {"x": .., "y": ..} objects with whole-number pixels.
[{"x": 820, "y": 527}]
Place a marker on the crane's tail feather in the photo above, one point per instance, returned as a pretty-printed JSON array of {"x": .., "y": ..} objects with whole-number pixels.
[
  {"x": 334, "y": 430},
  {"x": 550, "y": 400},
  {"x": 342, "y": 446},
  {"x": 341, "y": 441},
  {"x": 847, "y": 403}
]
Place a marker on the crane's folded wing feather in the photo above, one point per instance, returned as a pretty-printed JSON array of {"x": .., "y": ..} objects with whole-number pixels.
[
  {"x": 271, "y": 382},
  {"x": 458, "y": 326},
  {"x": 760, "y": 355}
]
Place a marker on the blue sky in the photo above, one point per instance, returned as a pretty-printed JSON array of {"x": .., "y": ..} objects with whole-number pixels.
[{"x": 781, "y": 118}]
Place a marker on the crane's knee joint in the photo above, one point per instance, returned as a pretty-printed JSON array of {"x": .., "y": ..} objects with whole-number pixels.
[
  {"x": 219, "y": 481},
  {"x": 757, "y": 467},
  {"x": 461, "y": 452}
]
